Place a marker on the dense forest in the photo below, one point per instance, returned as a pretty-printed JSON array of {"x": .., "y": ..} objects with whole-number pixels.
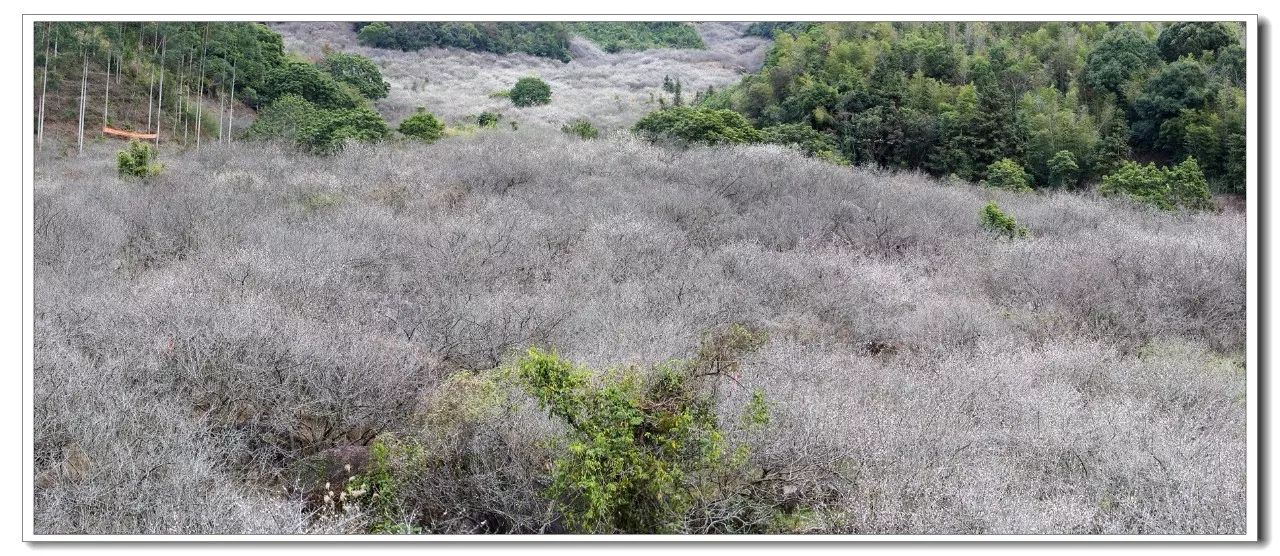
[
  {"x": 1068, "y": 102},
  {"x": 548, "y": 39}
]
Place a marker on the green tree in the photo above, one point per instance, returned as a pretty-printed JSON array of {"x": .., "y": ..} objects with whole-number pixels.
[
  {"x": 697, "y": 125},
  {"x": 1179, "y": 86},
  {"x": 1123, "y": 52},
  {"x": 328, "y": 130},
  {"x": 530, "y": 91},
  {"x": 1063, "y": 169},
  {"x": 1007, "y": 174},
  {"x": 1184, "y": 38},
  {"x": 358, "y": 71},
  {"x": 1053, "y": 122},
  {"x": 377, "y": 34},
  {"x": 423, "y": 126},
  {"x": 311, "y": 83}
]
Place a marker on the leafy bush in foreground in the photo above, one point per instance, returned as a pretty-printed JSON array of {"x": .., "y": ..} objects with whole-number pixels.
[
  {"x": 641, "y": 453},
  {"x": 138, "y": 160}
]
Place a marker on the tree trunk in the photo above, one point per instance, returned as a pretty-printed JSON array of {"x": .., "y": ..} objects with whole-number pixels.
[
  {"x": 151, "y": 87},
  {"x": 44, "y": 87},
  {"x": 231, "y": 117},
  {"x": 84, "y": 91},
  {"x": 160, "y": 98},
  {"x": 106, "y": 94},
  {"x": 222, "y": 110},
  {"x": 204, "y": 49}
]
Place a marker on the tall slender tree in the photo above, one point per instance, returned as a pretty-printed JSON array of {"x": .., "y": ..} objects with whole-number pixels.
[
  {"x": 160, "y": 96},
  {"x": 84, "y": 93},
  {"x": 44, "y": 86},
  {"x": 231, "y": 116},
  {"x": 106, "y": 91},
  {"x": 204, "y": 49}
]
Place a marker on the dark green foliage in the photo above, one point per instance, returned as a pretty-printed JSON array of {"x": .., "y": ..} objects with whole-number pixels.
[
  {"x": 1193, "y": 38},
  {"x": 808, "y": 140},
  {"x": 305, "y": 80},
  {"x": 328, "y": 130},
  {"x": 138, "y": 161},
  {"x": 282, "y": 118},
  {"x": 1182, "y": 186},
  {"x": 358, "y": 71},
  {"x": 314, "y": 128},
  {"x": 1007, "y": 174},
  {"x": 488, "y": 119},
  {"x": 1180, "y": 85},
  {"x": 954, "y": 98},
  {"x": 1112, "y": 149},
  {"x": 547, "y": 39},
  {"x": 1122, "y": 52},
  {"x": 768, "y": 28},
  {"x": 581, "y": 128},
  {"x": 996, "y": 221},
  {"x": 423, "y": 126},
  {"x": 530, "y": 91},
  {"x": 616, "y": 36},
  {"x": 697, "y": 125}
]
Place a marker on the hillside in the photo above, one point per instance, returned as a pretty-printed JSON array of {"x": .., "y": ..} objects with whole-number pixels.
[
  {"x": 612, "y": 90},
  {"x": 804, "y": 278},
  {"x": 206, "y": 338}
]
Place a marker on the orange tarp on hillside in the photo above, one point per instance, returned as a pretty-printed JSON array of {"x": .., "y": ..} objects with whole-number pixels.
[{"x": 127, "y": 134}]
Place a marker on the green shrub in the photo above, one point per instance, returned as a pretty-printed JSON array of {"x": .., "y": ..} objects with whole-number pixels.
[
  {"x": 423, "y": 126},
  {"x": 1182, "y": 186},
  {"x": 640, "y": 453},
  {"x": 282, "y": 118},
  {"x": 138, "y": 161},
  {"x": 697, "y": 125},
  {"x": 488, "y": 119},
  {"x": 530, "y": 91},
  {"x": 996, "y": 221},
  {"x": 328, "y": 130},
  {"x": 378, "y": 489},
  {"x": 581, "y": 128},
  {"x": 1007, "y": 174},
  {"x": 315, "y": 129}
]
